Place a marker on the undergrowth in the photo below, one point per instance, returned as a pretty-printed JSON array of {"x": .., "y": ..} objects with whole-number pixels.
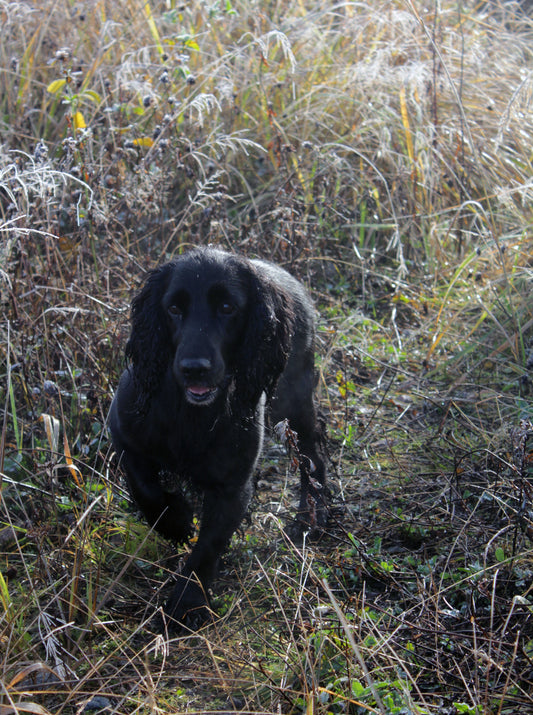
[{"x": 381, "y": 152}]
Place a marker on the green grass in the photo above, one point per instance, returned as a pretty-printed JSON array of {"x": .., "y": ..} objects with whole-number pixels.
[{"x": 383, "y": 154}]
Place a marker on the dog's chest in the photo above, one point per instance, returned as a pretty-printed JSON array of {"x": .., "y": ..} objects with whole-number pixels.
[{"x": 208, "y": 459}]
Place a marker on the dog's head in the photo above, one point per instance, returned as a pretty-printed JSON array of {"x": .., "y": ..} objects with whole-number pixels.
[{"x": 214, "y": 320}]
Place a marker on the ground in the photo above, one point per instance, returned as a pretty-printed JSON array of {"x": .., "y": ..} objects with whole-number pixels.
[{"x": 382, "y": 154}]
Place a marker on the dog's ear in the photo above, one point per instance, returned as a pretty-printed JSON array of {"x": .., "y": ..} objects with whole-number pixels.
[
  {"x": 149, "y": 346},
  {"x": 267, "y": 339}
]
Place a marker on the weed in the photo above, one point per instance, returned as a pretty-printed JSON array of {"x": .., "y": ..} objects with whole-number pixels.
[{"x": 382, "y": 153}]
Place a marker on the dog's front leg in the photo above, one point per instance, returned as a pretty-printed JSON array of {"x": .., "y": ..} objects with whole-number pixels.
[{"x": 222, "y": 513}]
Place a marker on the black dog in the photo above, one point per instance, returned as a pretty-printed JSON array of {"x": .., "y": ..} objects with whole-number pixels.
[{"x": 214, "y": 336}]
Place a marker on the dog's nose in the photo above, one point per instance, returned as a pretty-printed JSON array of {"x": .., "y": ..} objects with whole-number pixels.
[{"x": 195, "y": 367}]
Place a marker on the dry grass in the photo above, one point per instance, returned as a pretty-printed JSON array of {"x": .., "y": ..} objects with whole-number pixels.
[{"x": 382, "y": 153}]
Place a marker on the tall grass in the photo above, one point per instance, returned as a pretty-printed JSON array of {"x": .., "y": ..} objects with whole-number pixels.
[
  {"x": 412, "y": 123},
  {"x": 383, "y": 152}
]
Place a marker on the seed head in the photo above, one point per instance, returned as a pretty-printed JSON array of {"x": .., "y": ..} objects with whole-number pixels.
[{"x": 63, "y": 54}]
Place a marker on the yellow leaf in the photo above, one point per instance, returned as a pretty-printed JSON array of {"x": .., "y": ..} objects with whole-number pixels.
[
  {"x": 78, "y": 121},
  {"x": 92, "y": 95},
  {"x": 56, "y": 85},
  {"x": 153, "y": 27},
  {"x": 341, "y": 382},
  {"x": 51, "y": 427},
  {"x": 301, "y": 177},
  {"x": 406, "y": 126},
  {"x": 76, "y": 474},
  {"x": 144, "y": 141}
]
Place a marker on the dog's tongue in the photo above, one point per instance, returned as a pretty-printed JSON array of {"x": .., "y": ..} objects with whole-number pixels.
[{"x": 199, "y": 389}]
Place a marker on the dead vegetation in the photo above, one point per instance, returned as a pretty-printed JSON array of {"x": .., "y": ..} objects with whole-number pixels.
[{"x": 381, "y": 153}]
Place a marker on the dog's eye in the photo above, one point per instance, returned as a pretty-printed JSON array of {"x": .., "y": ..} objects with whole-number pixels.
[
  {"x": 175, "y": 311},
  {"x": 226, "y": 308}
]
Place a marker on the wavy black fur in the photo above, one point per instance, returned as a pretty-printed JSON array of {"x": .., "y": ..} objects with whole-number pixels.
[{"x": 214, "y": 337}]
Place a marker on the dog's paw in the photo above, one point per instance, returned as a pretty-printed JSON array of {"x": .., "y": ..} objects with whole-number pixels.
[
  {"x": 187, "y": 609},
  {"x": 311, "y": 519}
]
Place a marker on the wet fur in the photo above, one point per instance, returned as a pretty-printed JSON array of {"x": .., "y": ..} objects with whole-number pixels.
[{"x": 214, "y": 337}]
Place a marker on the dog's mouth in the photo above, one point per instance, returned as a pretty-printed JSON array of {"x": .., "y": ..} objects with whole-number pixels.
[{"x": 201, "y": 394}]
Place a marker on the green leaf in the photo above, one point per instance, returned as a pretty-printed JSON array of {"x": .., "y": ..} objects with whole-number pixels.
[{"x": 5, "y": 598}]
